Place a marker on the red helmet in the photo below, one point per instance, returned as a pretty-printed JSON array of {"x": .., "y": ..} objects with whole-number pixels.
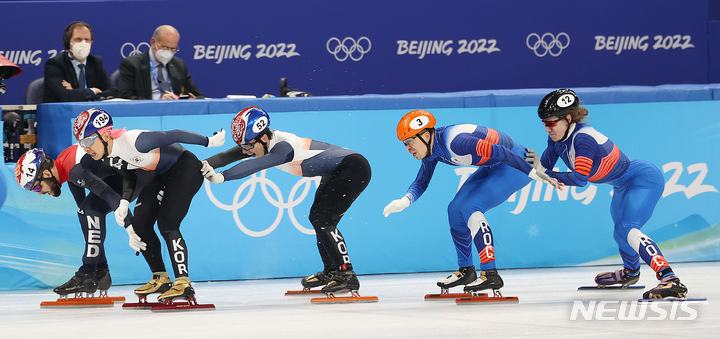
[{"x": 413, "y": 123}]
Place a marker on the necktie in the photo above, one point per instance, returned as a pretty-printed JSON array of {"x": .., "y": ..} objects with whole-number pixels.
[
  {"x": 164, "y": 84},
  {"x": 81, "y": 76}
]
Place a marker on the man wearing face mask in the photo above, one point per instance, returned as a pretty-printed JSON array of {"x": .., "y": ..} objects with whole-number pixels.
[
  {"x": 74, "y": 74},
  {"x": 157, "y": 73}
]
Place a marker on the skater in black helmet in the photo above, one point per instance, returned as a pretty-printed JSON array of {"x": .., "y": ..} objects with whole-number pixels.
[
  {"x": 39, "y": 173},
  {"x": 344, "y": 173},
  {"x": 165, "y": 199}
]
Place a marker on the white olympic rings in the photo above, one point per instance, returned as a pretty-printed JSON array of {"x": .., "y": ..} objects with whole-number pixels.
[
  {"x": 547, "y": 43},
  {"x": 342, "y": 52},
  {"x": 279, "y": 203},
  {"x": 135, "y": 50}
]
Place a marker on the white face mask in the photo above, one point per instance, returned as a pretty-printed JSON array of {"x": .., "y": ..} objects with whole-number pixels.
[
  {"x": 163, "y": 56},
  {"x": 80, "y": 50}
]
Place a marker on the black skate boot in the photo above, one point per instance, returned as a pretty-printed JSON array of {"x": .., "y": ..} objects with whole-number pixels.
[
  {"x": 80, "y": 283},
  {"x": 669, "y": 287},
  {"x": 181, "y": 289},
  {"x": 103, "y": 279},
  {"x": 624, "y": 277},
  {"x": 463, "y": 276},
  {"x": 342, "y": 281},
  {"x": 159, "y": 283},
  {"x": 317, "y": 279},
  {"x": 488, "y": 279}
]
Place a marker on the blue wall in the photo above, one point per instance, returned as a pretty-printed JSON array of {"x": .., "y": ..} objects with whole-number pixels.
[
  {"x": 241, "y": 47},
  {"x": 258, "y": 228}
]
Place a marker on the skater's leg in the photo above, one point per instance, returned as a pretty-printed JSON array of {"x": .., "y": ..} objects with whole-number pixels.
[
  {"x": 146, "y": 212},
  {"x": 91, "y": 214}
]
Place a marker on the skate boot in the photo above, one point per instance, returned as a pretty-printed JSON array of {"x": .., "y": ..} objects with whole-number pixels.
[
  {"x": 463, "y": 276},
  {"x": 488, "y": 279},
  {"x": 669, "y": 287},
  {"x": 159, "y": 283},
  {"x": 342, "y": 281},
  {"x": 80, "y": 283},
  {"x": 624, "y": 277},
  {"x": 181, "y": 289},
  {"x": 103, "y": 279},
  {"x": 317, "y": 279}
]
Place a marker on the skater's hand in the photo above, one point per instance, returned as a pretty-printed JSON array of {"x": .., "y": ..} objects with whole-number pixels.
[
  {"x": 534, "y": 160},
  {"x": 121, "y": 212},
  {"x": 396, "y": 206},
  {"x": 218, "y": 139},
  {"x": 542, "y": 176},
  {"x": 206, "y": 169},
  {"x": 216, "y": 178},
  {"x": 135, "y": 242}
]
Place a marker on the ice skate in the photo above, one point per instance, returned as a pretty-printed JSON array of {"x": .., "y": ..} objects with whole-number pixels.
[
  {"x": 318, "y": 279},
  {"x": 159, "y": 283},
  {"x": 78, "y": 284},
  {"x": 463, "y": 276},
  {"x": 180, "y": 289},
  {"x": 342, "y": 281},
  {"x": 103, "y": 279},
  {"x": 669, "y": 287},
  {"x": 624, "y": 277},
  {"x": 488, "y": 279}
]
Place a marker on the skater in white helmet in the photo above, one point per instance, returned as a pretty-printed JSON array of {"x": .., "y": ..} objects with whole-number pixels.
[
  {"x": 344, "y": 175},
  {"x": 164, "y": 200},
  {"x": 37, "y": 172}
]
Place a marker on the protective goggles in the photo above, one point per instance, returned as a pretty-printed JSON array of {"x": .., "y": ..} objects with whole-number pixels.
[
  {"x": 87, "y": 142},
  {"x": 552, "y": 123},
  {"x": 407, "y": 142},
  {"x": 248, "y": 146}
]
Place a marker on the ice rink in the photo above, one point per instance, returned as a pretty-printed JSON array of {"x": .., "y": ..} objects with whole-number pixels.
[{"x": 259, "y": 309}]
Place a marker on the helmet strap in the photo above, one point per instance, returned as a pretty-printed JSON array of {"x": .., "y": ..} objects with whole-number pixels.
[
  {"x": 567, "y": 130},
  {"x": 427, "y": 143}
]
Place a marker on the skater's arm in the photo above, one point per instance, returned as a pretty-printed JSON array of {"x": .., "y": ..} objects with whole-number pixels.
[
  {"x": 418, "y": 187},
  {"x": 282, "y": 153},
  {"x": 225, "y": 158},
  {"x": 147, "y": 141}
]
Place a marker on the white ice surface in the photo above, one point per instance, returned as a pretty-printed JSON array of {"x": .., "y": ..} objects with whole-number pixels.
[{"x": 259, "y": 309}]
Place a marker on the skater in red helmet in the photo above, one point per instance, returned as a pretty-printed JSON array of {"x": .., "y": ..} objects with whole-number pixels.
[{"x": 344, "y": 173}]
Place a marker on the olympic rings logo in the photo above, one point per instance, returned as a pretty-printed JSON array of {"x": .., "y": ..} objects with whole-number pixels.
[
  {"x": 547, "y": 43},
  {"x": 134, "y": 50},
  {"x": 278, "y": 202},
  {"x": 355, "y": 51}
]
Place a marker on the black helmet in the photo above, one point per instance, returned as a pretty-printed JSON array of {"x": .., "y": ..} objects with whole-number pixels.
[{"x": 557, "y": 103}]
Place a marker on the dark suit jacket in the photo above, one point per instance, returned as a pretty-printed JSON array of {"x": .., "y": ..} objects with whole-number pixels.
[
  {"x": 60, "y": 68},
  {"x": 134, "y": 81}
]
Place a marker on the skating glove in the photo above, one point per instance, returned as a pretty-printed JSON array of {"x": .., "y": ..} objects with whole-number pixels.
[
  {"x": 206, "y": 169},
  {"x": 216, "y": 178},
  {"x": 396, "y": 206},
  {"x": 534, "y": 160},
  {"x": 121, "y": 212},
  {"x": 135, "y": 242},
  {"x": 542, "y": 176},
  {"x": 218, "y": 139}
]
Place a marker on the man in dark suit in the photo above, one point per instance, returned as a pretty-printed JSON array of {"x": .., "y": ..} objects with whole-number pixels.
[
  {"x": 74, "y": 74},
  {"x": 145, "y": 75}
]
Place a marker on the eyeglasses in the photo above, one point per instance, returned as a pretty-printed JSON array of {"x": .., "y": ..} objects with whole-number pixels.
[
  {"x": 87, "y": 142},
  {"x": 248, "y": 146},
  {"x": 174, "y": 50},
  {"x": 552, "y": 123},
  {"x": 409, "y": 141}
]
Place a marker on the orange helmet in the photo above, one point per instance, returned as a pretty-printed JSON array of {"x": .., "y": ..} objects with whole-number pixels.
[{"x": 414, "y": 122}]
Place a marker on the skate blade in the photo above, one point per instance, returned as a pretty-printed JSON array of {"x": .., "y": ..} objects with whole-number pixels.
[
  {"x": 453, "y": 296},
  {"x": 303, "y": 292},
  {"x": 669, "y": 300},
  {"x": 487, "y": 300},
  {"x": 78, "y": 303},
  {"x": 354, "y": 298},
  {"x": 611, "y": 287},
  {"x": 182, "y": 307},
  {"x": 146, "y": 305}
]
